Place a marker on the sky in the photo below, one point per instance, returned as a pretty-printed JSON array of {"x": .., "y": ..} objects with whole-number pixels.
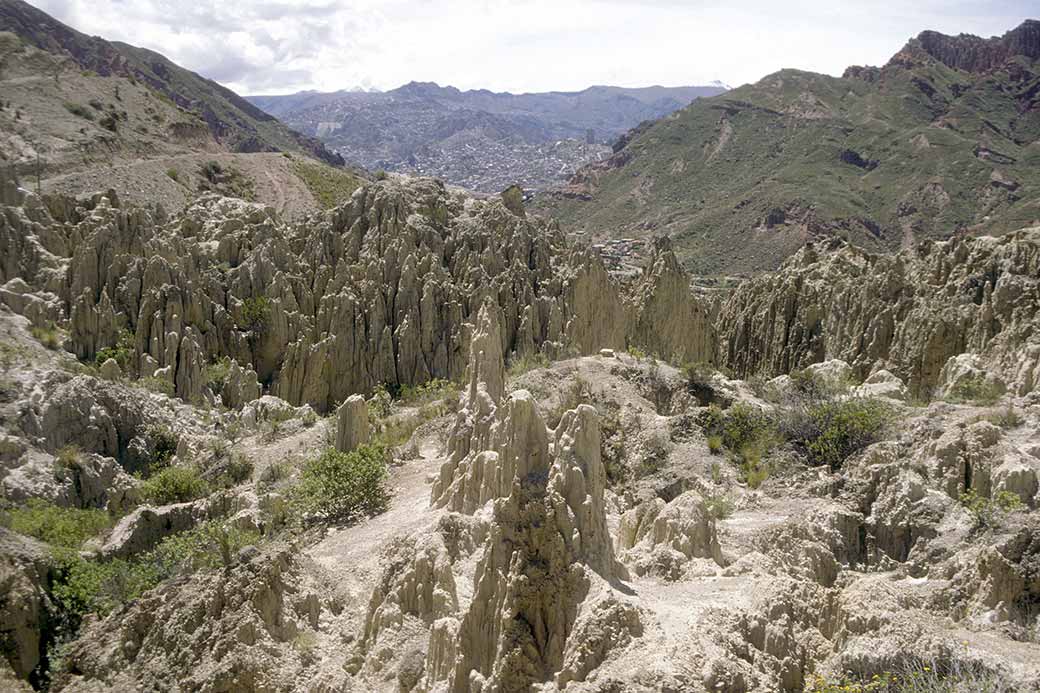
[{"x": 283, "y": 46}]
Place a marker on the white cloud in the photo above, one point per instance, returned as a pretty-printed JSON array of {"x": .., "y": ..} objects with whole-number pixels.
[{"x": 262, "y": 46}]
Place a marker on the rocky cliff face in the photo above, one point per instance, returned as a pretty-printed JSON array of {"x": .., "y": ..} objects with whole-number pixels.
[
  {"x": 381, "y": 290},
  {"x": 974, "y": 54},
  {"x": 909, "y": 313}
]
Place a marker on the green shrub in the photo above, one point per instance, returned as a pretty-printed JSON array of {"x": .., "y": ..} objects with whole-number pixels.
[
  {"x": 109, "y": 121},
  {"x": 208, "y": 546},
  {"x": 173, "y": 174},
  {"x": 163, "y": 443},
  {"x": 739, "y": 427},
  {"x": 717, "y": 505},
  {"x": 988, "y": 512},
  {"x": 256, "y": 313},
  {"x": 715, "y": 444},
  {"x": 121, "y": 351},
  {"x": 216, "y": 375},
  {"x": 380, "y": 404},
  {"x": 48, "y": 336},
  {"x": 978, "y": 390},
  {"x": 64, "y": 527},
  {"x": 612, "y": 445},
  {"x": 68, "y": 456},
  {"x": 1008, "y": 417},
  {"x": 160, "y": 386},
  {"x": 174, "y": 485},
  {"x": 341, "y": 486},
  {"x": 917, "y": 676},
  {"x": 239, "y": 468},
  {"x": 518, "y": 365},
  {"x": 79, "y": 110},
  {"x": 428, "y": 392},
  {"x": 842, "y": 427},
  {"x": 81, "y": 586}
]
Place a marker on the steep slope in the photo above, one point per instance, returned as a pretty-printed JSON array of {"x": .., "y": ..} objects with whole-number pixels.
[
  {"x": 79, "y": 114},
  {"x": 233, "y": 122},
  {"x": 943, "y": 139},
  {"x": 479, "y": 139}
]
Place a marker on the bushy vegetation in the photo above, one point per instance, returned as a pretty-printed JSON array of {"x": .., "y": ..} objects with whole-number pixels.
[
  {"x": 344, "y": 487},
  {"x": 121, "y": 352},
  {"x": 736, "y": 427},
  {"x": 81, "y": 586},
  {"x": 833, "y": 431},
  {"x": 225, "y": 180},
  {"x": 817, "y": 419},
  {"x": 79, "y": 110},
  {"x": 68, "y": 456},
  {"x": 381, "y": 403},
  {"x": 48, "y": 335},
  {"x": 518, "y": 365},
  {"x": 717, "y": 505},
  {"x": 216, "y": 374},
  {"x": 987, "y": 513},
  {"x": 174, "y": 485},
  {"x": 164, "y": 445},
  {"x": 160, "y": 386},
  {"x": 256, "y": 313},
  {"x": 979, "y": 390},
  {"x": 918, "y": 677},
  {"x": 425, "y": 393},
  {"x": 58, "y": 526}
]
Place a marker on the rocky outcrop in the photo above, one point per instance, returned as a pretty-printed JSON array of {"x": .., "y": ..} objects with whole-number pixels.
[
  {"x": 908, "y": 313},
  {"x": 24, "y": 603},
  {"x": 658, "y": 538},
  {"x": 975, "y": 54},
  {"x": 670, "y": 321},
  {"x": 235, "y": 629},
  {"x": 240, "y": 386},
  {"x": 352, "y": 425}
]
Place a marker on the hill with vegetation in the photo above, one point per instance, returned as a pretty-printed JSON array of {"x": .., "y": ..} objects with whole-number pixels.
[
  {"x": 942, "y": 140},
  {"x": 80, "y": 114}
]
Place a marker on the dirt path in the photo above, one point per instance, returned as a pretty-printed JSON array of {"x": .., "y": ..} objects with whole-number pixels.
[{"x": 352, "y": 553}]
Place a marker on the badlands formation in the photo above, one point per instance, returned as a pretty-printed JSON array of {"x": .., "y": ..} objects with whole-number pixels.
[{"x": 628, "y": 487}]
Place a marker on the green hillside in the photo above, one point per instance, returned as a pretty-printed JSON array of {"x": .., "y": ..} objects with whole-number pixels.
[{"x": 927, "y": 146}]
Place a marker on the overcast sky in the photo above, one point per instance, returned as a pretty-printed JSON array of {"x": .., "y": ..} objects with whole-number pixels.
[{"x": 265, "y": 47}]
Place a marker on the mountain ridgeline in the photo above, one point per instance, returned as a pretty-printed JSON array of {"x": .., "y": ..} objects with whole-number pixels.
[
  {"x": 233, "y": 122},
  {"x": 479, "y": 139},
  {"x": 944, "y": 139}
]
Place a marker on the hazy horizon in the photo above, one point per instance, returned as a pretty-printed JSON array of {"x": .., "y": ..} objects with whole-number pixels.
[{"x": 535, "y": 46}]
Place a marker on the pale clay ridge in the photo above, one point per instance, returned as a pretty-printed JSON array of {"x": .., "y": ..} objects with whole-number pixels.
[{"x": 507, "y": 561}]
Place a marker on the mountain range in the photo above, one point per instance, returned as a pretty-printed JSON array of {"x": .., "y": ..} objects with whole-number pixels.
[
  {"x": 943, "y": 139},
  {"x": 478, "y": 139}
]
